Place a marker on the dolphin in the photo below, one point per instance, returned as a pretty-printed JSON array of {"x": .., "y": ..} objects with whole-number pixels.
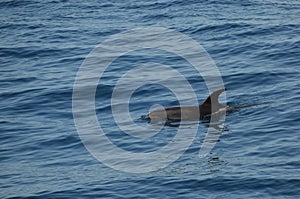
[{"x": 209, "y": 107}]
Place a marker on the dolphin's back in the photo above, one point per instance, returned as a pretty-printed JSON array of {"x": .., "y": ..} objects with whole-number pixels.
[{"x": 188, "y": 113}]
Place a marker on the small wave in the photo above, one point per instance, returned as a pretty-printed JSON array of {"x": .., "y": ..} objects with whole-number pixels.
[{"x": 15, "y": 3}]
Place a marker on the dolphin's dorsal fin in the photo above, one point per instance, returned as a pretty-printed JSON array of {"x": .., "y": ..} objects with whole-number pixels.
[{"x": 212, "y": 101}]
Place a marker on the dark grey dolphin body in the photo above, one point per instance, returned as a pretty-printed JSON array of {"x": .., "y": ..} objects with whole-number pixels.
[
  {"x": 209, "y": 107},
  {"x": 205, "y": 111}
]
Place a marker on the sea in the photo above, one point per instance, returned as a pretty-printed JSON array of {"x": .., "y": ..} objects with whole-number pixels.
[{"x": 79, "y": 77}]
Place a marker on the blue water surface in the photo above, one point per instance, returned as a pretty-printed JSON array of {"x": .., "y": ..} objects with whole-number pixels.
[{"x": 255, "y": 45}]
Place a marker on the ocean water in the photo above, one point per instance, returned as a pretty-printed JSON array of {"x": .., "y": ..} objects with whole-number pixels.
[{"x": 255, "y": 46}]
